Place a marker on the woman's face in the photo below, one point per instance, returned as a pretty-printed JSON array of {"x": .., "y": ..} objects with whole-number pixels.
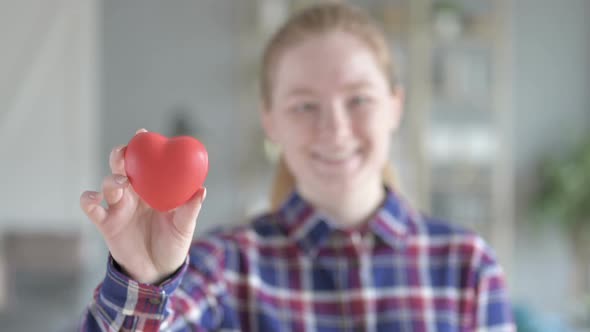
[{"x": 332, "y": 113}]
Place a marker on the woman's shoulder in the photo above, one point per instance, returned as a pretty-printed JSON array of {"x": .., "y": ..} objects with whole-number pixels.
[
  {"x": 435, "y": 227},
  {"x": 454, "y": 239},
  {"x": 428, "y": 231}
]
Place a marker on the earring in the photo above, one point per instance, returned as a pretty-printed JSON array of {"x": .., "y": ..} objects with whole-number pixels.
[{"x": 272, "y": 151}]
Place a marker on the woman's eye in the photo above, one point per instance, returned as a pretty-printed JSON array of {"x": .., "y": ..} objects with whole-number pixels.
[
  {"x": 306, "y": 107},
  {"x": 359, "y": 102}
]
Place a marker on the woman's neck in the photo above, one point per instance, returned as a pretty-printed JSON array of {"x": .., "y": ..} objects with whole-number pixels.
[{"x": 350, "y": 208}]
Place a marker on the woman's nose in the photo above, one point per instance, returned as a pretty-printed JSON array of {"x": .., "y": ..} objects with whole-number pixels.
[{"x": 334, "y": 122}]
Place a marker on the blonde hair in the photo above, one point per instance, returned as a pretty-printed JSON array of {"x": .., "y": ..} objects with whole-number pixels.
[{"x": 314, "y": 20}]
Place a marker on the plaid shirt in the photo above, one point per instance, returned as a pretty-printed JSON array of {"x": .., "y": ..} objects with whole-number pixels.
[{"x": 295, "y": 270}]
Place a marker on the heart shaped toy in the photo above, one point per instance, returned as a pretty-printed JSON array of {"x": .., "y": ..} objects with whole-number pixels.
[{"x": 165, "y": 172}]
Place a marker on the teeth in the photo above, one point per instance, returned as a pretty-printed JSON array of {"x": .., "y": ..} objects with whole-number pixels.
[{"x": 336, "y": 157}]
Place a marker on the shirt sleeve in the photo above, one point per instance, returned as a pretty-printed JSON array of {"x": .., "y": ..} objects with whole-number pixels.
[
  {"x": 188, "y": 298},
  {"x": 492, "y": 304}
]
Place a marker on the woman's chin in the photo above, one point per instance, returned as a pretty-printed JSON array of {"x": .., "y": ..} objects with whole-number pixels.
[{"x": 337, "y": 183}]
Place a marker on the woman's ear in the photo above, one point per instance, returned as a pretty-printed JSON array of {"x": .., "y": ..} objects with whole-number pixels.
[{"x": 267, "y": 122}]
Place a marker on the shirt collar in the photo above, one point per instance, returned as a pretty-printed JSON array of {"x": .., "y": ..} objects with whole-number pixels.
[
  {"x": 393, "y": 220},
  {"x": 304, "y": 225}
]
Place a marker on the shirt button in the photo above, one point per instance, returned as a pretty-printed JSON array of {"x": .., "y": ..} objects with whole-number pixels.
[{"x": 155, "y": 301}]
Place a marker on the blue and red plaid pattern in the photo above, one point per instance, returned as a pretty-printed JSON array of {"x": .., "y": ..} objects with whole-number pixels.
[{"x": 296, "y": 270}]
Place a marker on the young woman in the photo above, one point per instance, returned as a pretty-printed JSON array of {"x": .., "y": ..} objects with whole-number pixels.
[{"x": 340, "y": 251}]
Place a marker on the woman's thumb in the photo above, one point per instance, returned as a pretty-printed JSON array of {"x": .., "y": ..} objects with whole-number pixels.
[{"x": 186, "y": 215}]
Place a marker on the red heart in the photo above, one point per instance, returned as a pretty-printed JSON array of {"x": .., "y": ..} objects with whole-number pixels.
[{"x": 165, "y": 172}]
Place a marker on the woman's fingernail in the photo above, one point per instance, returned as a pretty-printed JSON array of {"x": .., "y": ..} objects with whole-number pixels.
[{"x": 120, "y": 179}]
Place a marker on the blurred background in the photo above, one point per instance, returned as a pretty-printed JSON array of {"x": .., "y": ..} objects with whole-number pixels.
[{"x": 495, "y": 135}]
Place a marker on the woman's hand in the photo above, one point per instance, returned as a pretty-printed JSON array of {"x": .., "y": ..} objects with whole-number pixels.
[{"x": 147, "y": 244}]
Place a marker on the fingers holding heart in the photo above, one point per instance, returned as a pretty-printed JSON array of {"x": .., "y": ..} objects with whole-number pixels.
[
  {"x": 113, "y": 187},
  {"x": 117, "y": 160},
  {"x": 90, "y": 204},
  {"x": 117, "y": 156}
]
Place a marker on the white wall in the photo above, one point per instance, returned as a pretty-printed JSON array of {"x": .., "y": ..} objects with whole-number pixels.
[{"x": 47, "y": 99}]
